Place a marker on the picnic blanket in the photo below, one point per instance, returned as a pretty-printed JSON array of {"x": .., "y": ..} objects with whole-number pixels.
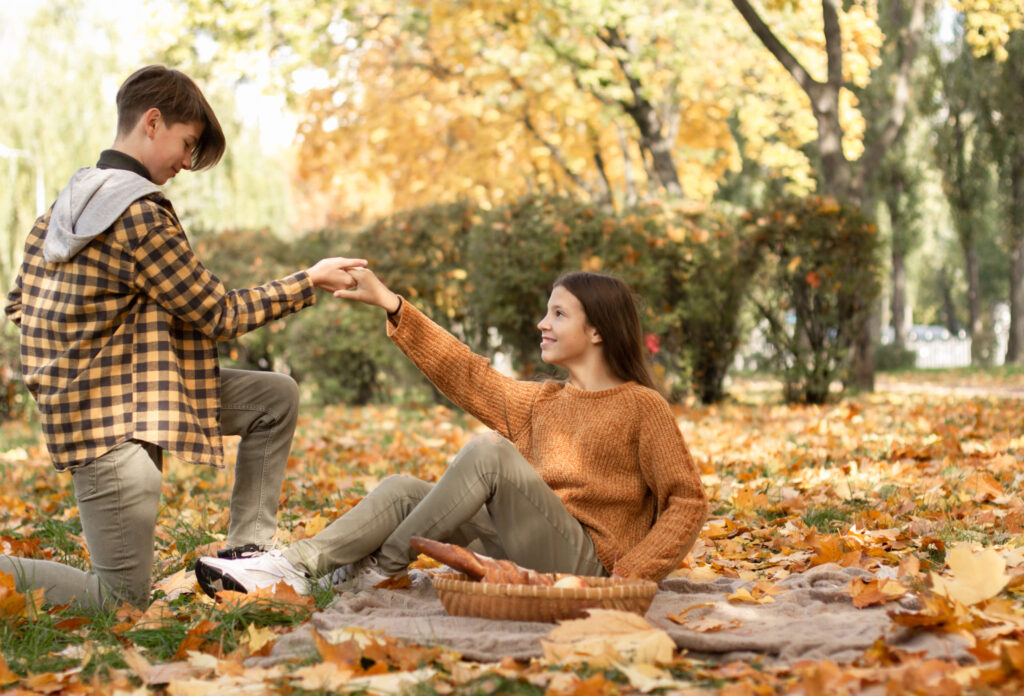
[{"x": 811, "y": 618}]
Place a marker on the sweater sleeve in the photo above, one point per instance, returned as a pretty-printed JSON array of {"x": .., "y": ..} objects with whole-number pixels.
[
  {"x": 681, "y": 503},
  {"x": 501, "y": 403}
]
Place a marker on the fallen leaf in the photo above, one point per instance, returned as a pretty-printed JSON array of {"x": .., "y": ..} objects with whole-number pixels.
[
  {"x": 707, "y": 624},
  {"x": 256, "y": 638},
  {"x": 6, "y": 675},
  {"x": 607, "y": 636},
  {"x": 324, "y": 676},
  {"x": 173, "y": 586},
  {"x": 680, "y": 617},
  {"x": 983, "y": 486},
  {"x": 976, "y": 576},
  {"x": 879, "y": 591}
]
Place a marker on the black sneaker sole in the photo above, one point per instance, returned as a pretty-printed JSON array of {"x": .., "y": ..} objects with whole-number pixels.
[
  {"x": 213, "y": 581},
  {"x": 246, "y": 551}
]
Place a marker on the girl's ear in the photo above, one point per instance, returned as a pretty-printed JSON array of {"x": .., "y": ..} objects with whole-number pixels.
[{"x": 595, "y": 337}]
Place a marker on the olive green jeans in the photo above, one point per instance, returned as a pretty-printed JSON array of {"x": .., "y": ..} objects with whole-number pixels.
[
  {"x": 489, "y": 500},
  {"x": 118, "y": 497}
]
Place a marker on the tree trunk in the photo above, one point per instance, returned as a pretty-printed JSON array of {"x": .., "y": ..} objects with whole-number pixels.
[
  {"x": 974, "y": 318},
  {"x": 899, "y": 298},
  {"x": 1015, "y": 345},
  {"x": 629, "y": 179},
  {"x": 835, "y": 168},
  {"x": 948, "y": 306}
]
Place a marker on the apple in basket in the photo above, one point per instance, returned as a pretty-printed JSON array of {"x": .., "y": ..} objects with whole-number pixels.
[{"x": 570, "y": 581}]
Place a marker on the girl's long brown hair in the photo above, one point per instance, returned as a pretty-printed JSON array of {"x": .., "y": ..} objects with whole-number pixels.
[{"x": 611, "y": 309}]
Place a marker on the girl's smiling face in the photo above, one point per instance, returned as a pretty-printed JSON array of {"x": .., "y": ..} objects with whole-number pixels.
[{"x": 565, "y": 334}]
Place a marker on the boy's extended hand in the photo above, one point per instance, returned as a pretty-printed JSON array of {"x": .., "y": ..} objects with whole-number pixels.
[
  {"x": 370, "y": 290},
  {"x": 334, "y": 273}
]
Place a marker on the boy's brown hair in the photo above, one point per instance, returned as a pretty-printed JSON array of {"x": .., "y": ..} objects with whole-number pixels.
[{"x": 179, "y": 101}]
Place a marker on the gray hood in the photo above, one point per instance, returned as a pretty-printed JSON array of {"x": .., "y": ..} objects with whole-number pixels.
[{"x": 91, "y": 202}]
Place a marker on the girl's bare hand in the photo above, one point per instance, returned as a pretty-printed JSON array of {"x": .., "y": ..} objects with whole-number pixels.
[
  {"x": 369, "y": 289},
  {"x": 333, "y": 273}
]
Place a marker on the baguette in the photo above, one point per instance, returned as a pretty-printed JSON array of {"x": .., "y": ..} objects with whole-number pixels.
[{"x": 479, "y": 567}]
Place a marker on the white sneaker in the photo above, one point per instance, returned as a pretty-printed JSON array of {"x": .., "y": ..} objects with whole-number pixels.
[
  {"x": 248, "y": 574},
  {"x": 359, "y": 576}
]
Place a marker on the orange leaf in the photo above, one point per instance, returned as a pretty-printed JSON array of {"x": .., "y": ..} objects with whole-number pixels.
[
  {"x": 983, "y": 486},
  {"x": 196, "y": 640},
  {"x": 395, "y": 582},
  {"x": 830, "y": 550},
  {"x": 880, "y": 591},
  {"x": 6, "y": 675},
  {"x": 343, "y": 654}
]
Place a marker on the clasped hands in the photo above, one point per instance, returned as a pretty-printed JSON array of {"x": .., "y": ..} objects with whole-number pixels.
[{"x": 351, "y": 280}]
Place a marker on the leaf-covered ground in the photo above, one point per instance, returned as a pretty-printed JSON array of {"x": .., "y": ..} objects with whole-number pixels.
[{"x": 922, "y": 478}]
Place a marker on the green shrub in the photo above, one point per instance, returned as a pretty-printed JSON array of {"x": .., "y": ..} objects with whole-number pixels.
[
  {"x": 890, "y": 357},
  {"x": 485, "y": 276},
  {"x": 423, "y": 255},
  {"x": 706, "y": 262},
  {"x": 819, "y": 280},
  {"x": 516, "y": 253}
]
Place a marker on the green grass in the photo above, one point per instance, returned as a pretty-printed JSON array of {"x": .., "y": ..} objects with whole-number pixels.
[
  {"x": 31, "y": 644},
  {"x": 826, "y": 519},
  {"x": 60, "y": 537}
]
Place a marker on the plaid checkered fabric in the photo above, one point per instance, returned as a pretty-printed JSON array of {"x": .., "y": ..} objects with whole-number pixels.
[{"x": 119, "y": 342}]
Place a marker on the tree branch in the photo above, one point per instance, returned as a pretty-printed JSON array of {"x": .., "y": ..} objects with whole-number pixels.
[{"x": 777, "y": 48}]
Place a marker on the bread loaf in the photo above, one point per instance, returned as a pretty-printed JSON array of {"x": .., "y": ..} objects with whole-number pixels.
[{"x": 479, "y": 567}]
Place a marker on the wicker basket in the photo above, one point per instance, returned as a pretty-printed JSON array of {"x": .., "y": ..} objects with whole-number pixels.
[{"x": 463, "y": 597}]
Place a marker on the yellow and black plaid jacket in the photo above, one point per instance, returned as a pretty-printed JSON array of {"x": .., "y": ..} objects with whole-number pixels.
[{"x": 119, "y": 342}]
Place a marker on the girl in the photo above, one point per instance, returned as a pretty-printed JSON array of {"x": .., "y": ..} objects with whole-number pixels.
[{"x": 589, "y": 476}]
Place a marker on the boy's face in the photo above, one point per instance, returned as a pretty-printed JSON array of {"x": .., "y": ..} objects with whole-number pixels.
[{"x": 169, "y": 148}]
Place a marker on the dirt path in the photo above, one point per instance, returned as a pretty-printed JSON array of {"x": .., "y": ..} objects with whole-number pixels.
[
  {"x": 965, "y": 388},
  {"x": 942, "y": 384}
]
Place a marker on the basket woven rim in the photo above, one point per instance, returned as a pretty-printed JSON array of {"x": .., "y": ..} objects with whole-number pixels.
[{"x": 602, "y": 588}]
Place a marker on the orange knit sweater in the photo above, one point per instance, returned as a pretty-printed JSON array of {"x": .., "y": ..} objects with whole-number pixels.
[{"x": 615, "y": 457}]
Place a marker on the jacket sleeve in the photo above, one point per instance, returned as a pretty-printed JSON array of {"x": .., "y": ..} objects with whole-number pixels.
[
  {"x": 499, "y": 402},
  {"x": 12, "y": 308},
  {"x": 167, "y": 270},
  {"x": 34, "y": 242},
  {"x": 681, "y": 502}
]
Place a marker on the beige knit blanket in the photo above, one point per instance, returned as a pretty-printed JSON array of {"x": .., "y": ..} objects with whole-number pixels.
[{"x": 812, "y": 617}]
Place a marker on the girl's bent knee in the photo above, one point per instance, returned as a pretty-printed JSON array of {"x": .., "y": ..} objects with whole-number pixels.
[
  {"x": 488, "y": 451},
  {"x": 399, "y": 485},
  {"x": 487, "y": 443}
]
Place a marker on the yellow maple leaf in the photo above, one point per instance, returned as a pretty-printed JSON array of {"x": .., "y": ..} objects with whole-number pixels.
[
  {"x": 976, "y": 576},
  {"x": 258, "y": 637}
]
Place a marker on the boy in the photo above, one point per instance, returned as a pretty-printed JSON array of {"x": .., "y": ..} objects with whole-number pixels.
[{"x": 119, "y": 322}]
